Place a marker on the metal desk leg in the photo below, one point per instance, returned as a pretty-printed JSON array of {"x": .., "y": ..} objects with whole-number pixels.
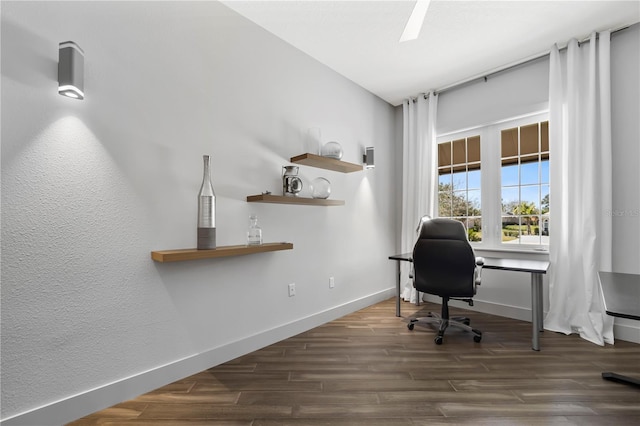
[
  {"x": 536, "y": 309},
  {"x": 540, "y": 303},
  {"x": 398, "y": 270}
]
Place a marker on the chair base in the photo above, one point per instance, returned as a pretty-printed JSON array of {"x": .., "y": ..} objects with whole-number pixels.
[{"x": 433, "y": 318}]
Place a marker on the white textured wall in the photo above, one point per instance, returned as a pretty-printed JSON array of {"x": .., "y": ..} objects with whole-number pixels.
[{"x": 90, "y": 187}]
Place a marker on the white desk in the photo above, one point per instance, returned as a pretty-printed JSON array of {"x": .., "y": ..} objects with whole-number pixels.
[{"x": 537, "y": 268}]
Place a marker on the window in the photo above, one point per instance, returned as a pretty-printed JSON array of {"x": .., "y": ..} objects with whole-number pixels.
[
  {"x": 525, "y": 184},
  {"x": 459, "y": 189},
  {"x": 498, "y": 188}
]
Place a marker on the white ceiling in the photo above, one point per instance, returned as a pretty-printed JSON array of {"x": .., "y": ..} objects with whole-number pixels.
[{"x": 459, "y": 39}]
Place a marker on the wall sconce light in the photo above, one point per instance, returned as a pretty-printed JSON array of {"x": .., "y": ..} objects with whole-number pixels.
[
  {"x": 367, "y": 158},
  {"x": 71, "y": 70}
]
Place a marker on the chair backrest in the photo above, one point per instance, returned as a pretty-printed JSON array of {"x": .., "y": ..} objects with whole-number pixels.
[{"x": 443, "y": 259}]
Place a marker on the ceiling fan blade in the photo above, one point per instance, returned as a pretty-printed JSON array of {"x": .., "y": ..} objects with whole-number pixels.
[{"x": 414, "y": 24}]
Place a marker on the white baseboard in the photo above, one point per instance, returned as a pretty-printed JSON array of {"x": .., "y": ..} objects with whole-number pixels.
[
  {"x": 74, "y": 407},
  {"x": 621, "y": 330},
  {"x": 626, "y": 332}
]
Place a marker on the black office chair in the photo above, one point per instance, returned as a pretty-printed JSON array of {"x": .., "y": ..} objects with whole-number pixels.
[{"x": 444, "y": 265}]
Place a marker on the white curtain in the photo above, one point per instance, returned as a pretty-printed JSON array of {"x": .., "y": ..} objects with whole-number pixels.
[
  {"x": 581, "y": 190},
  {"x": 419, "y": 174}
]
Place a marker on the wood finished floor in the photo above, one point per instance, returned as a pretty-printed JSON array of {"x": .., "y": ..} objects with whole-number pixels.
[{"x": 368, "y": 369}]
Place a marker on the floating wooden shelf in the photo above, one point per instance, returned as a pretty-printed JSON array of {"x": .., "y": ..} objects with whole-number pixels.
[
  {"x": 281, "y": 199},
  {"x": 326, "y": 163},
  {"x": 224, "y": 251}
]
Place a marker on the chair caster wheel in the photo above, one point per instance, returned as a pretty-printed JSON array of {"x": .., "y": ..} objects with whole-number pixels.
[
  {"x": 477, "y": 337},
  {"x": 438, "y": 340},
  {"x": 410, "y": 326},
  {"x": 466, "y": 322}
]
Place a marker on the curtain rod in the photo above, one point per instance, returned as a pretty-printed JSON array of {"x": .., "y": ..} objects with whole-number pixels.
[{"x": 513, "y": 65}]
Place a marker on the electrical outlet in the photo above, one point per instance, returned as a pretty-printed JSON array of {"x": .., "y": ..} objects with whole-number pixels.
[
  {"x": 332, "y": 282},
  {"x": 292, "y": 289}
]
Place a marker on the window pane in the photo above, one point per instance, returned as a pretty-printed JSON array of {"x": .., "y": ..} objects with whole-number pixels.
[
  {"x": 510, "y": 200},
  {"x": 473, "y": 179},
  {"x": 544, "y": 203},
  {"x": 444, "y": 204},
  {"x": 529, "y": 173},
  {"x": 473, "y": 197},
  {"x": 544, "y": 136},
  {"x": 444, "y": 180},
  {"x": 473, "y": 149},
  {"x": 459, "y": 203},
  {"x": 474, "y": 229},
  {"x": 510, "y": 142},
  {"x": 544, "y": 229},
  {"x": 544, "y": 171},
  {"x": 510, "y": 229},
  {"x": 509, "y": 175},
  {"x": 459, "y": 180},
  {"x": 444, "y": 154},
  {"x": 529, "y": 201},
  {"x": 529, "y": 139},
  {"x": 528, "y": 227},
  {"x": 459, "y": 152}
]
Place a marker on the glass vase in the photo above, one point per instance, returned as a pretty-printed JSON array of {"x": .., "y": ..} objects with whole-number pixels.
[{"x": 254, "y": 234}]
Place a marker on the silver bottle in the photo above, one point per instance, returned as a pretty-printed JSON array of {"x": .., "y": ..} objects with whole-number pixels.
[{"x": 206, "y": 210}]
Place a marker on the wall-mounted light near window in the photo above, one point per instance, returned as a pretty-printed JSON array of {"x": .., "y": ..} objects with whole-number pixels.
[
  {"x": 71, "y": 70},
  {"x": 367, "y": 158}
]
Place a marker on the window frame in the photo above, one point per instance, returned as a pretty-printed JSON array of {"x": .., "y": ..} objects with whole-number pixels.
[{"x": 490, "y": 168}]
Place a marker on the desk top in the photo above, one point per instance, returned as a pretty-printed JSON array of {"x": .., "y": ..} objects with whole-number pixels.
[
  {"x": 621, "y": 294},
  {"x": 518, "y": 265},
  {"x": 407, "y": 257}
]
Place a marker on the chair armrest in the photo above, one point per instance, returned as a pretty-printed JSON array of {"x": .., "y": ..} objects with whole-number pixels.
[{"x": 479, "y": 265}]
